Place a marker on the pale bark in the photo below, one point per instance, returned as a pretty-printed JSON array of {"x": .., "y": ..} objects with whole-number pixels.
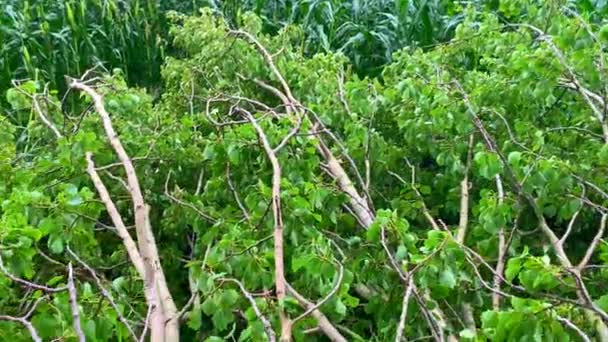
[{"x": 164, "y": 322}]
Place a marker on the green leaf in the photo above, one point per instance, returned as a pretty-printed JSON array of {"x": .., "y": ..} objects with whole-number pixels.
[
  {"x": 489, "y": 164},
  {"x": 448, "y": 278},
  {"x": 514, "y": 158},
  {"x": 55, "y": 280},
  {"x": 434, "y": 239},
  {"x": 340, "y": 308},
  {"x": 90, "y": 330},
  {"x": 222, "y": 318},
  {"x": 513, "y": 267},
  {"x": 602, "y": 302},
  {"x": 209, "y": 306},
  {"x": 214, "y": 339},
  {"x": 56, "y": 245},
  {"x": 118, "y": 283},
  {"x": 195, "y": 319}
]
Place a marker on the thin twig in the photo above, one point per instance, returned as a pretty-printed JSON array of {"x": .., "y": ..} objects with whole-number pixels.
[
  {"x": 202, "y": 214},
  {"x": 328, "y": 328},
  {"x": 144, "y": 331},
  {"x": 267, "y": 326},
  {"x": 29, "y": 283},
  {"x": 106, "y": 294},
  {"x": 236, "y": 194},
  {"x": 573, "y": 326},
  {"x": 594, "y": 243},
  {"x": 331, "y": 293}
]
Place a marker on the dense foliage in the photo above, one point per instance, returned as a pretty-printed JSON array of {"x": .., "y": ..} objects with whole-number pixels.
[
  {"x": 460, "y": 195},
  {"x": 45, "y": 40},
  {"x": 367, "y": 32}
]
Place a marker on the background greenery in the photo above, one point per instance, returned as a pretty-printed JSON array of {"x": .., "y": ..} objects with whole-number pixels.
[{"x": 383, "y": 107}]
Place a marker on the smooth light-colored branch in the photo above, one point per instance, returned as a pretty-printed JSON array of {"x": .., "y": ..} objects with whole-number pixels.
[
  {"x": 74, "y": 305},
  {"x": 24, "y": 320},
  {"x": 464, "y": 195},
  {"x": 404, "y": 305},
  {"x": 144, "y": 331},
  {"x": 164, "y": 320},
  {"x": 44, "y": 119},
  {"x": 26, "y": 323},
  {"x": 121, "y": 228},
  {"x": 573, "y": 326},
  {"x": 280, "y": 281},
  {"x": 500, "y": 263},
  {"x": 570, "y": 226}
]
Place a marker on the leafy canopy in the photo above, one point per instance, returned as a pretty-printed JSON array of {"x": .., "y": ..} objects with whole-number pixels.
[{"x": 513, "y": 105}]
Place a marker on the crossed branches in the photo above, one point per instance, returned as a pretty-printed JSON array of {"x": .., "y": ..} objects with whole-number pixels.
[
  {"x": 359, "y": 205},
  {"x": 25, "y": 318},
  {"x": 143, "y": 253}
]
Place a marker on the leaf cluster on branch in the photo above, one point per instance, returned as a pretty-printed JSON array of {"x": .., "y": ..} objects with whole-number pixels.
[{"x": 272, "y": 196}]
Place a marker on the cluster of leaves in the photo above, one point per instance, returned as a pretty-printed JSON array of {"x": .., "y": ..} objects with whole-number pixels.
[{"x": 417, "y": 129}]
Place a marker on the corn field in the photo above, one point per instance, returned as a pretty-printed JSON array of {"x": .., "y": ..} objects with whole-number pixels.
[{"x": 47, "y": 39}]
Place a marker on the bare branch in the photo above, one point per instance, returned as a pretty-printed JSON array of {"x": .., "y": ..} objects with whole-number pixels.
[
  {"x": 24, "y": 320},
  {"x": 199, "y": 183},
  {"x": 324, "y": 324},
  {"x": 573, "y": 326},
  {"x": 121, "y": 229},
  {"x": 502, "y": 252},
  {"x": 74, "y": 305},
  {"x": 29, "y": 283},
  {"x": 106, "y": 294},
  {"x": 27, "y": 324},
  {"x": 326, "y": 298},
  {"x": 144, "y": 331},
  {"x": 593, "y": 244},
  {"x": 280, "y": 281},
  {"x": 464, "y": 195},
  {"x": 569, "y": 229},
  {"x": 164, "y": 318},
  {"x": 43, "y": 117},
  {"x": 404, "y": 305}
]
